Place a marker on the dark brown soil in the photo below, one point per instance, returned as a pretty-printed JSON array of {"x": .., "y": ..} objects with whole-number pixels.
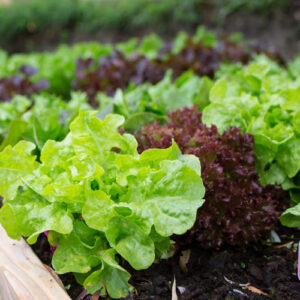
[{"x": 212, "y": 274}]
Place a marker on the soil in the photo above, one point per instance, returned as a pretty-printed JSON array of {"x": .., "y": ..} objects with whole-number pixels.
[{"x": 260, "y": 271}]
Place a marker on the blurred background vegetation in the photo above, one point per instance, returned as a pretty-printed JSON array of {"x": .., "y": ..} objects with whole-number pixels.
[{"x": 28, "y": 25}]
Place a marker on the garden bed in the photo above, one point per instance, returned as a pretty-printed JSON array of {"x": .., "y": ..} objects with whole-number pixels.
[
  {"x": 256, "y": 272},
  {"x": 153, "y": 170}
]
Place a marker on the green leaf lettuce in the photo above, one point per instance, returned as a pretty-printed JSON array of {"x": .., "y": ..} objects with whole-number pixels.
[{"x": 98, "y": 197}]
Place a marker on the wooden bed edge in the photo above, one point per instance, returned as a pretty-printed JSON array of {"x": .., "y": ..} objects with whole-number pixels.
[
  {"x": 23, "y": 276},
  {"x": 6, "y": 290}
]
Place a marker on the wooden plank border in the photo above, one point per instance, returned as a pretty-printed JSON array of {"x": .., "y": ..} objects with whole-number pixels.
[
  {"x": 6, "y": 290},
  {"x": 22, "y": 274}
]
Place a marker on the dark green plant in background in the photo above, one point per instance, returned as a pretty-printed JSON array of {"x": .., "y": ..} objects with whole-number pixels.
[
  {"x": 60, "y": 20},
  {"x": 254, "y": 6},
  {"x": 55, "y": 17}
]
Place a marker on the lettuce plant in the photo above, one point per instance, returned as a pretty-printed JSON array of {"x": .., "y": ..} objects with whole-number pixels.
[
  {"x": 146, "y": 103},
  {"x": 10, "y": 111},
  {"x": 21, "y": 84},
  {"x": 38, "y": 119},
  {"x": 262, "y": 99},
  {"x": 98, "y": 198},
  {"x": 57, "y": 67},
  {"x": 113, "y": 72},
  {"x": 237, "y": 209}
]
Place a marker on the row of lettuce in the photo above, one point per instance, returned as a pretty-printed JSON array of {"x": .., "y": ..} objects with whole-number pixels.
[
  {"x": 94, "y": 67},
  {"x": 129, "y": 175}
]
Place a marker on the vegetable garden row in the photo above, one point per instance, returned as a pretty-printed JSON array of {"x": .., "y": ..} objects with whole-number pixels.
[{"x": 130, "y": 153}]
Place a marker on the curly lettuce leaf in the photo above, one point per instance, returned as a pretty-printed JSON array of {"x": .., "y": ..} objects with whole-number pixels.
[
  {"x": 95, "y": 138},
  {"x": 16, "y": 163}
]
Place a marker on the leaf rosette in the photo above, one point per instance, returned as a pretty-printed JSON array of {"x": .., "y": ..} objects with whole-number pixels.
[{"x": 98, "y": 197}]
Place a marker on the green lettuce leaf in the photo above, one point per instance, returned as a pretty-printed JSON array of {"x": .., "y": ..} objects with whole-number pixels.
[
  {"x": 82, "y": 248},
  {"x": 111, "y": 277},
  {"x": 291, "y": 217},
  {"x": 29, "y": 215},
  {"x": 10, "y": 111},
  {"x": 16, "y": 163}
]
